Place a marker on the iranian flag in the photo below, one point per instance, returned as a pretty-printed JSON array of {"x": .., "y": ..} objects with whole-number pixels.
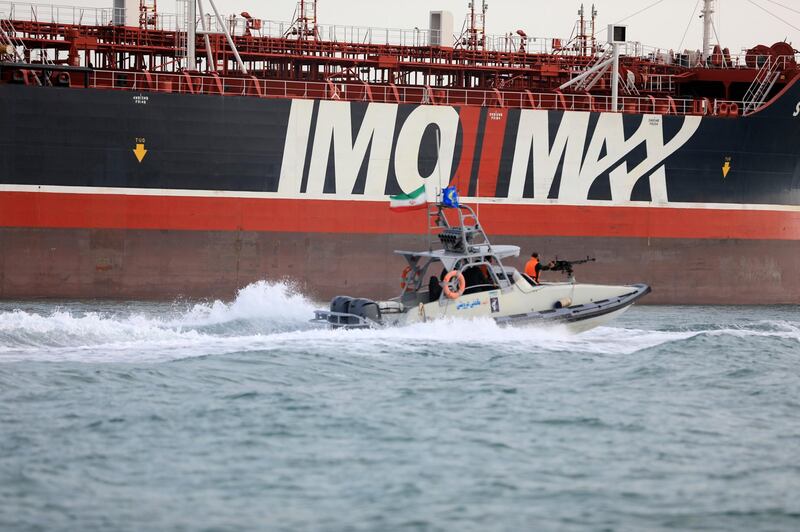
[{"x": 409, "y": 202}]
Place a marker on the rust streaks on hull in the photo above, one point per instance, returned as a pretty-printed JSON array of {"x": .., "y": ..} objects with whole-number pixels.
[{"x": 165, "y": 265}]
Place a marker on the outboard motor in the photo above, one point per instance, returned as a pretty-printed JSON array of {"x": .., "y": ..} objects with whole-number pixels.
[
  {"x": 366, "y": 308},
  {"x": 341, "y": 305},
  {"x": 353, "y": 309}
]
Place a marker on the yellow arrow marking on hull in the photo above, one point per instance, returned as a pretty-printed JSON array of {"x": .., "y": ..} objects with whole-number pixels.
[
  {"x": 140, "y": 152},
  {"x": 725, "y": 169}
]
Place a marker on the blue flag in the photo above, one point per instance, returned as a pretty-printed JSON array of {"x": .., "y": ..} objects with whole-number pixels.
[{"x": 450, "y": 197}]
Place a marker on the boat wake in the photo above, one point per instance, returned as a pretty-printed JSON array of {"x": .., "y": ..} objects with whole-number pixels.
[{"x": 270, "y": 317}]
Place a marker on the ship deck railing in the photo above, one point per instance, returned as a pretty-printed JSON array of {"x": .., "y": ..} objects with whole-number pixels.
[
  {"x": 348, "y": 34},
  {"x": 212, "y": 84},
  {"x": 238, "y": 26}
]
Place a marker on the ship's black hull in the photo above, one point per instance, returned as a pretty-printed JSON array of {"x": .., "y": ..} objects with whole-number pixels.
[
  {"x": 231, "y": 190},
  {"x": 87, "y": 137}
]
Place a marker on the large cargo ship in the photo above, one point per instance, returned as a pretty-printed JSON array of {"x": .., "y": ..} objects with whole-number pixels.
[{"x": 145, "y": 155}]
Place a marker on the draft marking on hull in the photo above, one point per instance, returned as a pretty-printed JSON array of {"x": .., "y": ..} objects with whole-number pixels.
[{"x": 140, "y": 152}]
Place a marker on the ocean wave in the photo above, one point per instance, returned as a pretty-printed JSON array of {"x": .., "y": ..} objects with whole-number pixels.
[
  {"x": 260, "y": 308},
  {"x": 268, "y": 316}
]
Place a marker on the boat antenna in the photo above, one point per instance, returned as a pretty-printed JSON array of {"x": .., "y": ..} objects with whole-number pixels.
[{"x": 428, "y": 211}]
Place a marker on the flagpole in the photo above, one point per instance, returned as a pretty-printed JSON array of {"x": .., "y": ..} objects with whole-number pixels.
[
  {"x": 439, "y": 188},
  {"x": 439, "y": 159}
]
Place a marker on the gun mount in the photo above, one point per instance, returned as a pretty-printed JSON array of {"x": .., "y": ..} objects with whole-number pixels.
[{"x": 566, "y": 266}]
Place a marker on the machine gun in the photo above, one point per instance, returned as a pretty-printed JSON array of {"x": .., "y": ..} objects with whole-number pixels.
[{"x": 566, "y": 266}]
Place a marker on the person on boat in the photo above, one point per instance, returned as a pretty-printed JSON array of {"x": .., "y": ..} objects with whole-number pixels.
[
  {"x": 477, "y": 279},
  {"x": 434, "y": 288},
  {"x": 485, "y": 269},
  {"x": 435, "y": 285},
  {"x": 533, "y": 267}
]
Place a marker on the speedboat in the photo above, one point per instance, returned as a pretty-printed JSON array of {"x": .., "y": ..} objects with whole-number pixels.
[{"x": 467, "y": 278}]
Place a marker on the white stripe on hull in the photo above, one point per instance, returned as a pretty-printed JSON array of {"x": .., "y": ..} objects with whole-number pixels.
[{"x": 55, "y": 189}]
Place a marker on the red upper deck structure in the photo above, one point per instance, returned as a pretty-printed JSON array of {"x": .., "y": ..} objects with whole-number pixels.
[{"x": 241, "y": 55}]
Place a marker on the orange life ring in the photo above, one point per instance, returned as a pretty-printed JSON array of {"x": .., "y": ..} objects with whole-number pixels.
[
  {"x": 405, "y": 286},
  {"x": 462, "y": 284}
]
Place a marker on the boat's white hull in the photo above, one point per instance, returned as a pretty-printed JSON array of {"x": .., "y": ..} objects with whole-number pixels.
[
  {"x": 577, "y": 307},
  {"x": 577, "y": 327}
]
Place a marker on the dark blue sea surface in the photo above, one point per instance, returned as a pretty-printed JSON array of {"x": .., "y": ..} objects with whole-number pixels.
[{"x": 241, "y": 416}]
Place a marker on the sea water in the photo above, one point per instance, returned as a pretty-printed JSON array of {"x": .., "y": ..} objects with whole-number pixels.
[{"x": 243, "y": 416}]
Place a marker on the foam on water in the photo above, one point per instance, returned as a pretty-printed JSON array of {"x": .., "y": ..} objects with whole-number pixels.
[
  {"x": 242, "y": 414},
  {"x": 275, "y": 316},
  {"x": 274, "y": 306}
]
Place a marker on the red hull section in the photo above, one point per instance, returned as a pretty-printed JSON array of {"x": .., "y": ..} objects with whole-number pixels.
[
  {"x": 68, "y": 245},
  {"x": 128, "y": 168},
  {"x": 198, "y": 213},
  {"x": 163, "y": 265}
]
